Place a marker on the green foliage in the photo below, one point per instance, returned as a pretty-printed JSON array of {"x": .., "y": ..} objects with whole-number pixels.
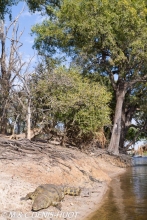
[
  {"x": 45, "y": 6},
  {"x": 5, "y": 7},
  {"x": 131, "y": 133},
  {"x": 100, "y": 28},
  {"x": 40, "y": 5},
  {"x": 138, "y": 99},
  {"x": 109, "y": 37},
  {"x": 64, "y": 96},
  {"x": 145, "y": 154}
]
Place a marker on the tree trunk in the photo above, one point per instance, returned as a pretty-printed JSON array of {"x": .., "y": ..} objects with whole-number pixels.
[
  {"x": 18, "y": 126},
  {"x": 116, "y": 131},
  {"x": 123, "y": 128},
  {"x": 4, "y": 81},
  {"x": 4, "y": 120},
  {"x": 8, "y": 64},
  {"x": 15, "y": 125},
  {"x": 122, "y": 136},
  {"x": 128, "y": 112},
  {"x": 29, "y": 120}
]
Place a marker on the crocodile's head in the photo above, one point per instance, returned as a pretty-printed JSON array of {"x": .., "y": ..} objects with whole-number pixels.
[{"x": 41, "y": 202}]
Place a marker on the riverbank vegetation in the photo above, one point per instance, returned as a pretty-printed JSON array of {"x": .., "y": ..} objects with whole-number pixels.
[{"x": 93, "y": 101}]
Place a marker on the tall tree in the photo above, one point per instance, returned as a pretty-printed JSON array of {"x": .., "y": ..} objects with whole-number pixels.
[
  {"x": 10, "y": 65},
  {"x": 136, "y": 109},
  {"x": 111, "y": 36}
]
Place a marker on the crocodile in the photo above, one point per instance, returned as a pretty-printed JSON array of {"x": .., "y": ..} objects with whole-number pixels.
[{"x": 49, "y": 194}]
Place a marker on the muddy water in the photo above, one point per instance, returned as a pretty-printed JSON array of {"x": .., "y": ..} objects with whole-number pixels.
[{"x": 127, "y": 196}]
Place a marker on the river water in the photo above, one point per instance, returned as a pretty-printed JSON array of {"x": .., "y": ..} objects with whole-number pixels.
[{"x": 127, "y": 197}]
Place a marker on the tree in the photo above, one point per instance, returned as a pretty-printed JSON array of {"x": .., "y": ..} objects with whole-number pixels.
[
  {"x": 9, "y": 66},
  {"x": 112, "y": 38},
  {"x": 64, "y": 96},
  {"x": 138, "y": 101},
  {"x": 24, "y": 95},
  {"x": 14, "y": 80},
  {"x": 43, "y": 5}
]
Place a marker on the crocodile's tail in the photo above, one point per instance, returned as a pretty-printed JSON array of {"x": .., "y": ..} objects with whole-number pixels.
[{"x": 72, "y": 191}]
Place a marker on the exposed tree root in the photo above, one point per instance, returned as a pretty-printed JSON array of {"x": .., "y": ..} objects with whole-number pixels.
[
  {"x": 16, "y": 149},
  {"x": 23, "y": 147}
]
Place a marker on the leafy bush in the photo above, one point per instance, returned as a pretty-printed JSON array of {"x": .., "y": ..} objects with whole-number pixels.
[{"x": 65, "y": 96}]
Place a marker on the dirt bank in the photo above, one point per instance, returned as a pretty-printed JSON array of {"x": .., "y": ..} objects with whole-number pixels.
[{"x": 22, "y": 174}]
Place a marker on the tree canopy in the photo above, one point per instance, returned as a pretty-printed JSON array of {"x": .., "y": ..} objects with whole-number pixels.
[
  {"x": 33, "y": 5},
  {"x": 5, "y": 7},
  {"x": 110, "y": 36},
  {"x": 65, "y": 96}
]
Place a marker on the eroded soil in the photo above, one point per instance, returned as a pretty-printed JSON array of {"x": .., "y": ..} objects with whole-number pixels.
[{"x": 62, "y": 166}]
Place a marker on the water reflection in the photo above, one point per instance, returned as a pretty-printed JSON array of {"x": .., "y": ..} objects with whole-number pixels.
[{"x": 127, "y": 197}]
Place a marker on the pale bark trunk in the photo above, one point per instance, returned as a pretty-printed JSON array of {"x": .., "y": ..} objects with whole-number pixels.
[
  {"x": 8, "y": 65},
  {"x": 14, "y": 126},
  {"x": 116, "y": 131},
  {"x": 29, "y": 121}
]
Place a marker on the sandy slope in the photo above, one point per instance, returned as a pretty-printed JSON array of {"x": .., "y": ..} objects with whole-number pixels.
[{"x": 18, "y": 177}]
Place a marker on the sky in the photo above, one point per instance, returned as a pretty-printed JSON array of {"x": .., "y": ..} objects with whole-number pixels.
[{"x": 26, "y": 21}]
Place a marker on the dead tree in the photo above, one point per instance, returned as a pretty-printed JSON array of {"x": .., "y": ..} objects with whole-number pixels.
[
  {"x": 9, "y": 62},
  {"x": 26, "y": 96}
]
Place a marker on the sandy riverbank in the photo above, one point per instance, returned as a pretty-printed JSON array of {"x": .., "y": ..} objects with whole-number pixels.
[
  {"x": 63, "y": 166},
  {"x": 97, "y": 202}
]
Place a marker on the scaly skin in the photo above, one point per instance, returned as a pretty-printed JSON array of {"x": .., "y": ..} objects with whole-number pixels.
[
  {"x": 72, "y": 191},
  {"x": 50, "y": 194}
]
